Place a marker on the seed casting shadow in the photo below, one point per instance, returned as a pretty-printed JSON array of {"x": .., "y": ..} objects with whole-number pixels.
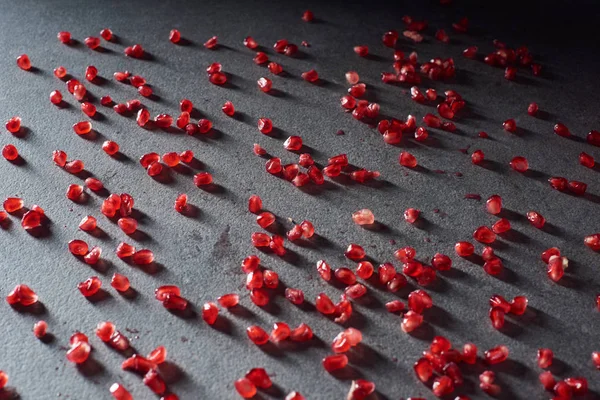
[
  {"x": 37, "y": 308},
  {"x": 101, "y": 295},
  {"x": 98, "y": 233},
  {"x": 129, "y": 294},
  {"x": 191, "y": 211}
]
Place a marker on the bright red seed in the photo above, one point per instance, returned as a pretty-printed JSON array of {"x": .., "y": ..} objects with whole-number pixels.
[
  {"x": 561, "y": 130},
  {"x": 324, "y": 270},
  {"x": 228, "y": 108},
  {"x": 307, "y": 16},
  {"x": 211, "y": 43},
  {"x": 174, "y": 36},
  {"x": 154, "y": 381},
  {"x": 280, "y": 332},
  {"x": 245, "y": 388},
  {"x": 483, "y": 234},
  {"x": 12, "y": 204},
  {"x": 579, "y": 385},
  {"x": 591, "y": 241},
  {"x": 345, "y": 275},
  {"x": 265, "y": 125},
  {"x": 407, "y": 160},
  {"x": 94, "y": 184},
  {"x": 577, "y": 188},
  {"x": 127, "y": 225},
  {"x": 310, "y": 76},
  {"x": 493, "y": 266},
  {"x": 555, "y": 268},
  {"x": 60, "y": 72},
  {"x": 363, "y": 217},
  {"x": 142, "y": 257},
  {"x": 229, "y": 300},
  {"x": 494, "y": 204},
  {"x": 442, "y": 386},
  {"x": 335, "y": 362},
  {"x": 79, "y": 352},
  {"x": 171, "y": 159},
  {"x": 488, "y": 253},
  {"x": 10, "y": 152},
  {"x": 105, "y": 330},
  {"x": 324, "y": 304},
  {"x": 106, "y": 101},
  {"x": 120, "y": 282},
  {"x": 82, "y": 128},
  {"x": 90, "y": 287},
  {"x": 163, "y": 120},
  {"x": 497, "y": 317},
  {"x": 181, "y": 203},
  {"x": 464, "y": 249},
  {"x": 411, "y": 215},
  {"x": 64, "y": 37},
  {"x": 419, "y": 300},
  {"x": 532, "y": 109},
  {"x": 593, "y": 138},
  {"x": 293, "y": 143},
  {"x": 92, "y": 42},
  {"x": 202, "y": 179},
  {"x": 510, "y": 125},
  {"x": 519, "y": 164},
  {"x": 586, "y": 160},
  {"x": 254, "y": 204},
  {"x": 106, "y": 34},
  {"x": 23, "y": 62},
  {"x": 264, "y": 84},
  {"x": 470, "y": 52},
  {"x": 40, "y": 329},
  {"x": 303, "y": 333},
  {"x": 441, "y": 262},
  {"x": 210, "y": 313},
  {"x": 469, "y": 353},
  {"x": 477, "y": 157},
  {"x": 558, "y": 183},
  {"x": 536, "y": 219},
  {"x": 13, "y": 125},
  {"x": 496, "y": 355},
  {"x": 30, "y": 220},
  {"x": 411, "y": 321},
  {"x": 74, "y": 192},
  {"x": 218, "y": 78},
  {"x": 23, "y": 295},
  {"x": 544, "y": 358},
  {"x": 145, "y": 90},
  {"x": 274, "y": 67},
  {"x": 55, "y": 97},
  {"x": 257, "y": 335},
  {"x": 355, "y": 252},
  {"x": 204, "y": 126},
  {"x": 119, "y": 392}
]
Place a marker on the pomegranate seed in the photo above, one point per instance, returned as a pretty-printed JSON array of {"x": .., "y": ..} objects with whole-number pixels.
[
  {"x": 407, "y": 160},
  {"x": 245, "y": 388},
  {"x": 469, "y": 353},
  {"x": 496, "y": 355},
  {"x": 92, "y": 42},
  {"x": 577, "y": 188},
  {"x": 74, "y": 192},
  {"x": 12, "y": 204},
  {"x": 596, "y": 358},
  {"x": 82, "y": 128},
  {"x": 210, "y": 313},
  {"x": 357, "y": 90},
  {"x": 586, "y": 160},
  {"x": 105, "y": 331},
  {"x": 307, "y": 16},
  {"x": 310, "y": 76},
  {"x": 324, "y": 304},
  {"x": 532, "y": 109},
  {"x": 60, "y": 72},
  {"x": 229, "y": 300},
  {"x": 106, "y": 34},
  {"x": 345, "y": 275},
  {"x": 362, "y": 51},
  {"x": 228, "y": 108},
  {"x": 281, "y": 331},
  {"x": 293, "y": 143},
  {"x": 119, "y": 392},
  {"x": 218, "y": 78},
  {"x": 254, "y": 280},
  {"x": 163, "y": 120},
  {"x": 555, "y": 269},
  {"x": 142, "y": 257},
  {"x": 23, "y": 62},
  {"x": 90, "y": 287},
  {"x": 510, "y": 73},
  {"x": 411, "y": 215},
  {"x": 202, "y": 179},
  {"x": 394, "y": 306},
  {"x": 261, "y": 58},
  {"x": 563, "y": 390},
  {"x": 153, "y": 380},
  {"x": 211, "y": 43},
  {"x": 419, "y": 300},
  {"x": 353, "y": 252},
  {"x": 40, "y": 329},
  {"x": 335, "y": 362},
  {"x": 13, "y": 125},
  {"x": 88, "y": 224},
  {"x": 265, "y": 125},
  {"x": 260, "y": 239},
  {"x": 10, "y": 152},
  {"x": 497, "y": 317},
  {"x": 174, "y": 36},
  {"x": 363, "y": 217},
  {"x": 519, "y": 164},
  {"x": 79, "y": 352},
  {"x": 494, "y": 204},
  {"x": 303, "y": 333},
  {"x": 23, "y": 295},
  {"x": 510, "y": 125},
  {"x": 497, "y": 301},
  {"x": 145, "y": 90},
  {"x": 483, "y": 234},
  {"x": 558, "y": 183},
  {"x": 445, "y": 111},
  {"x": 120, "y": 282},
  {"x": 579, "y": 385},
  {"x": 30, "y": 220},
  {"x": 464, "y": 249},
  {"x": 441, "y": 262},
  {"x": 591, "y": 241},
  {"x": 440, "y": 344},
  {"x": 324, "y": 270},
  {"x": 470, "y": 52},
  {"x": 186, "y": 156},
  {"x": 64, "y": 37},
  {"x": 561, "y": 130},
  {"x": 254, "y": 204},
  {"x": 55, "y": 97},
  {"x": 257, "y": 335},
  {"x": 250, "y": 43},
  {"x": 477, "y": 157},
  {"x": 544, "y": 358},
  {"x": 181, "y": 203},
  {"x": 411, "y": 321},
  {"x": 593, "y": 138},
  {"x": 273, "y": 66},
  {"x": 442, "y": 386},
  {"x": 536, "y": 219},
  {"x": 264, "y": 84}
]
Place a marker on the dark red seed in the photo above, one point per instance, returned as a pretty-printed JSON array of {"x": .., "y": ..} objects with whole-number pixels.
[
  {"x": 561, "y": 130},
  {"x": 510, "y": 125},
  {"x": 532, "y": 109},
  {"x": 519, "y": 164},
  {"x": 464, "y": 249},
  {"x": 536, "y": 219}
]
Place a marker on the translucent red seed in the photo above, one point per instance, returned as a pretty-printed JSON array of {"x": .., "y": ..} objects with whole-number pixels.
[
  {"x": 90, "y": 287},
  {"x": 174, "y": 36},
  {"x": 536, "y": 219},
  {"x": 257, "y": 335},
  {"x": 510, "y": 125},
  {"x": 464, "y": 249},
  {"x": 355, "y": 252},
  {"x": 82, "y": 128},
  {"x": 407, "y": 160},
  {"x": 310, "y": 76},
  {"x": 496, "y": 355}
]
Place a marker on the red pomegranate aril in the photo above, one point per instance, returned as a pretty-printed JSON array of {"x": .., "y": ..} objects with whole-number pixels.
[
  {"x": 93, "y": 256},
  {"x": 441, "y": 262},
  {"x": 345, "y": 275},
  {"x": 303, "y": 333},
  {"x": 163, "y": 120},
  {"x": 229, "y": 300},
  {"x": 82, "y": 128},
  {"x": 440, "y": 344},
  {"x": 55, "y": 97},
  {"x": 362, "y": 51},
  {"x": 544, "y": 358},
  {"x": 30, "y": 220},
  {"x": 555, "y": 269},
  {"x": 464, "y": 249},
  {"x": 12, "y": 204},
  {"x": 419, "y": 300},
  {"x": 264, "y": 84},
  {"x": 310, "y": 76},
  {"x": 395, "y": 306},
  {"x": 335, "y": 362},
  {"x": 324, "y": 270},
  {"x": 407, "y": 160},
  {"x": 105, "y": 330},
  {"x": 411, "y": 321},
  {"x": 412, "y": 268},
  {"x": 469, "y": 353},
  {"x": 293, "y": 143},
  {"x": 497, "y": 301},
  {"x": 497, "y": 317},
  {"x": 182, "y": 120},
  {"x": 561, "y": 130},
  {"x": 536, "y": 219},
  {"x": 324, "y": 304},
  {"x": 259, "y": 297},
  {"x": 477, "y": 157},
  {"x": 254, "y": 280},
  {"x": 218, "y": 78},
  {"x": 79, "y": 352},
  {"x": 257, "y": 335},
  {"x": 120, "y": 108},
  {"x": 153, "y": 380},
  {"x": 78, "y": 247},
  {"x": 211, "y": 43},
  {"x": 13, "y": 125},
  {"x": 10, "y": 152},
  {"x": 245, "y": 388},
  {"x": 586, "y": 160},
  {"x": 488, "y": 253},
  {"x": 519, "y": 164},
  {"x": 493, "y": 266},
  {"x": 579, "y": 385},
  {"x": 40, "y": 329},
  {"x": 90, "y": 287},
  {"x": 442, "y": 386},
  {"x": 591, "y": 241},
  {"x": 577, "y": 188},
  {"x": 281, "y": 331},
  {"x": 558, "y": 183},
  {"x": 355, "y": 252},
  {"x": 411, "y": 215},
  {"x": 119, "y": 392},
  {"x": 127, "y": 225},
  {"x": 265, "y": 125},
  {"x": 483, "y": 234},
  {"x": 271, "y": 279},
  {"x": 23, "y": 62},
  {"x": 563, "y": 390},
  {"x": 210, "y": 313},
  {"x": 510, "y": 125},
  {"x": 496, "y": 355},
  {"x": 142, "y": 257},
  {"x": 494, "y": 204},
  {"x": 120, "y": 282},
  {"x": 202, "y": 179},
  {"x": 60, "y": 72}
]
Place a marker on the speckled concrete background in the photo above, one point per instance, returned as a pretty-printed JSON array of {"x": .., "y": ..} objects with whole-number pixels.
[{"x": 202, "y": 253}]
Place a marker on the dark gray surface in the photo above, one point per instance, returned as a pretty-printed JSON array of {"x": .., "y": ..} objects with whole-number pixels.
[{"x": 203, "y": 254}]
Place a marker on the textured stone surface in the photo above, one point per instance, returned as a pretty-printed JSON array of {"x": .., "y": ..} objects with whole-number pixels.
[{"x": 202, "y": 253}]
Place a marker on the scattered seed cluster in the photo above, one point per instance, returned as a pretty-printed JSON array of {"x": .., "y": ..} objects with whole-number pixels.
[{"x": 440, "y": 366}]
